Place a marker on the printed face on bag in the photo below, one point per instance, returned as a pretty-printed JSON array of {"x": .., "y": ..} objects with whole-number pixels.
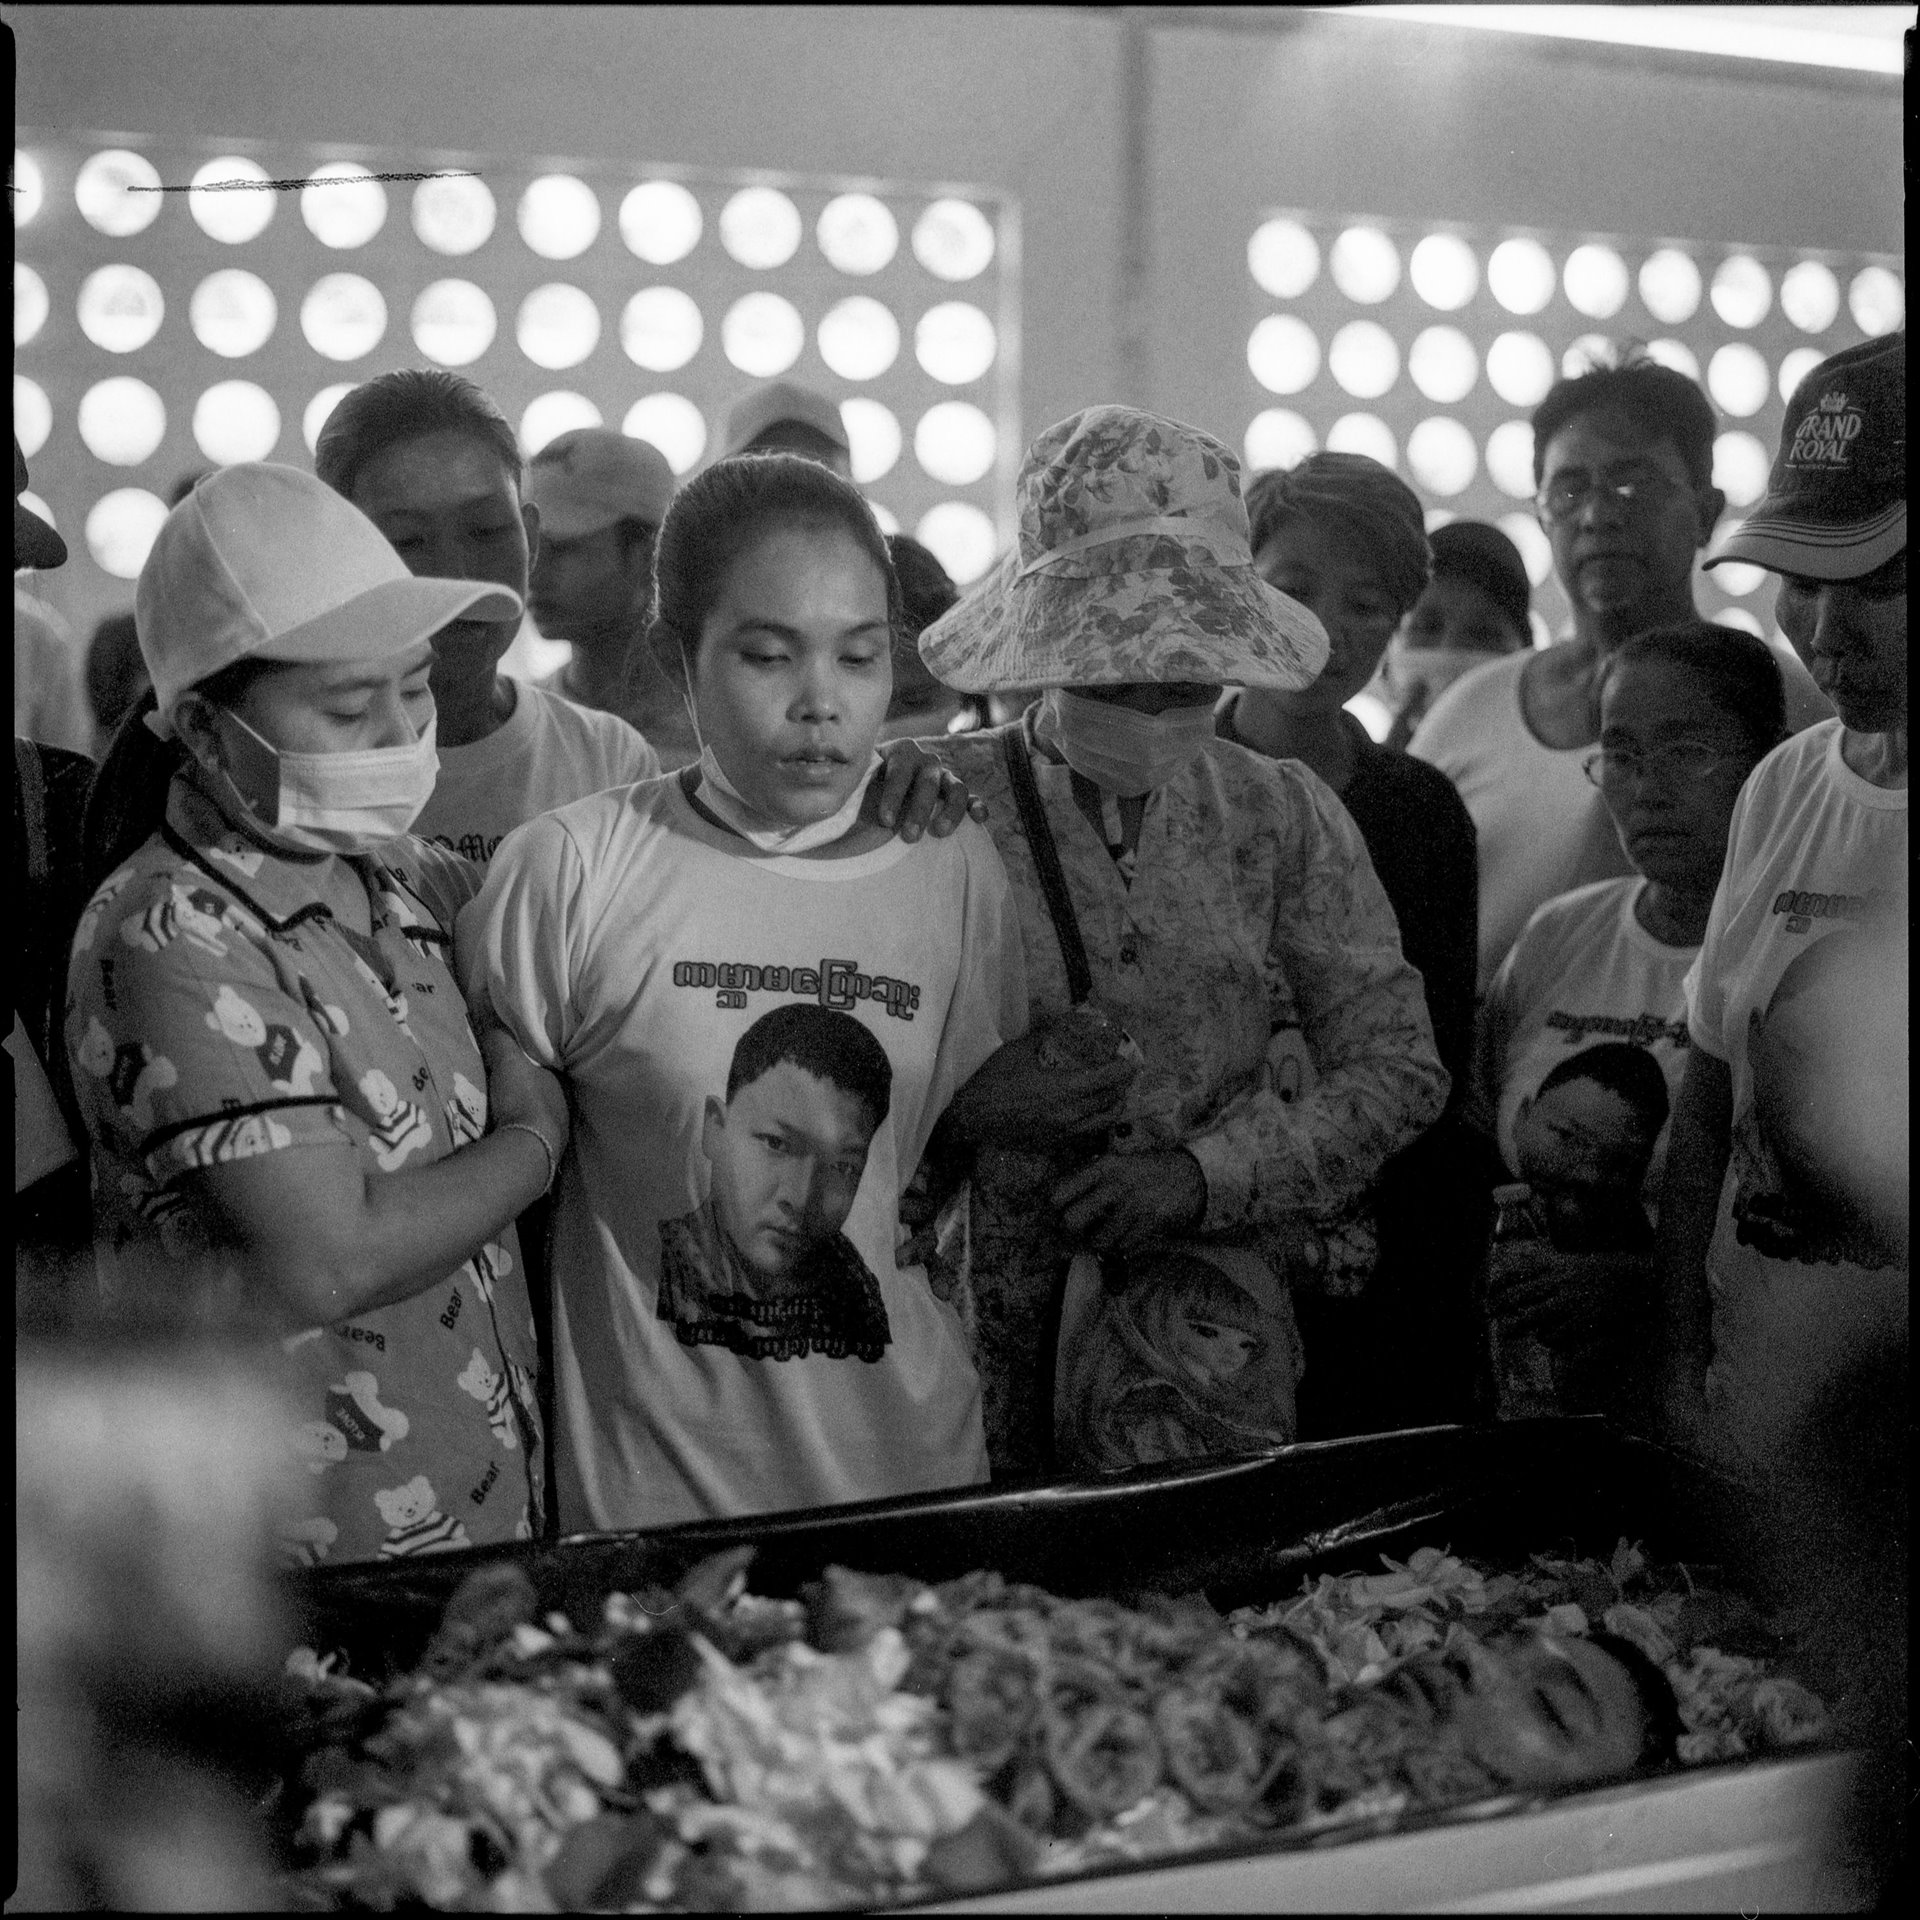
[
  {"x": 794, "y": 671},
  {"x": 787, "y": 1153}
]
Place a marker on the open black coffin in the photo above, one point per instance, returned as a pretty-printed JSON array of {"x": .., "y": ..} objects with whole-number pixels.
[
  {"x": 1242, "y": 1531},
  {"x": 1247, "y": 1532}
]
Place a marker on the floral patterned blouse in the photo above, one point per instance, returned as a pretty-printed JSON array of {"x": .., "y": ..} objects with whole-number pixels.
[
  {"x": 217, "y": 1009},
  {"x": 1256, "y": 962}
]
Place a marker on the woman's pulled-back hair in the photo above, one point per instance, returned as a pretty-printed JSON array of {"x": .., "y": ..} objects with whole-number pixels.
[
  {"x": 393, "y": 408},
  {"x": 720, "y": 513},
  {"x": 1737, "y": 673}
]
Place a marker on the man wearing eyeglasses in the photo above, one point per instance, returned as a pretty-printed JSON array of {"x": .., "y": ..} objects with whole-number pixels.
[
  {"x": 1623, "y": 458},
  {"x": 1784, "y": 1220}
]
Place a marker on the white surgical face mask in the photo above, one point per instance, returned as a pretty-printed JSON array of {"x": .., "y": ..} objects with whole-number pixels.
[
  {"x": 726, "y": 802},
  {"x": 332, "y": 802},
  {"x": 1125, "y": 752}
]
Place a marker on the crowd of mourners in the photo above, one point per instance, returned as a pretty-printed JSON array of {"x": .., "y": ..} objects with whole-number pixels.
[{"x": 841, "y": 1037}]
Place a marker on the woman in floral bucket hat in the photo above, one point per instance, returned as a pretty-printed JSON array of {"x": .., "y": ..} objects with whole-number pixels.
[{"x": 1227, "y": 1042}]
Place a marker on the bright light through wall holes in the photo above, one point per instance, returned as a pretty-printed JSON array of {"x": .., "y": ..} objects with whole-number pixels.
[
  {"x": 559, "y": 217},
  {"x": 1510, "y": 458},
  {"x": 1284, "y": 259},
  {"x": 760, "y": 228},
  {"x": 953, "y": 240},
  {"x": 661, "y": 329},
  {"x": 857, "y": 233},
  {"x": 1364, "y": 359},
  {"x": 454, "y": 215},
  {"x": 100, "y": 191},
  {"x": 343, "y": 205},
  {"x": 1737, "y": 379},
  {"x": 1443, "y": 364},
  {"x": 120, "y": 308},
  {"x": 30, "y": 303},
  {"x": 553, "y": 414},
  {"x": 1365, "y": 265},
  {"x": 121, "y": 421},
  {"x": 1442, "y": 457},
  {"x": 1278, "y": 437},
  {"x": 235, "y": 216},
  {"x": 1520, "y": 368},
  {"x": 955, "y": 343},
  {"x": 671, "y": 422},
  {"x": 1283, "y": 353},
  {"x": 873, "y": 435},
  {"x": 1444, "y": 272},
  {"x": 763, "y": 334},
  {"x": 660, "y": 222},
  {"x": 1521, "y": 276},
  {"x": 955, "y": 443},
  {"x": 32, "y": 414},
  {"x": 1669, "y": 286},
  {"x": 558, "y": 326},
  {"x": 1810, "y": 298},
  {"x": 453, "y": 322},
  {"x": 1595, "y": 278},
  {"x": 236, "y": 420},
  {"x": 232, "y": 313},
  {"x": 29, "y": 187},
  {"x": 121, "y": 526},
  {"x": 961, "y": 538},
  {"x": 1364, "y": 433},
  {"x": 859, "y": 339},
  {"x": 343, "y": 316}
]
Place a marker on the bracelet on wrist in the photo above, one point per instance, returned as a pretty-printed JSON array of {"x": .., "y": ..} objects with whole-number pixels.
[{"x": 546, "y": 1147}]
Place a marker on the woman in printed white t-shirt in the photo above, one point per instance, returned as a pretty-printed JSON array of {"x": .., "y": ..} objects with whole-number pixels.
[
  {"x": 761, "y": 1001},
  {"x": 1582, "y": 1037}
]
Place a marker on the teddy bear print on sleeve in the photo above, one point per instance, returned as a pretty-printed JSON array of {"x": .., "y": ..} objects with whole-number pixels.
[
  {"x": 353, "y": 1406},
  {"x": 133, "y": 1073},
  {"x": 398, "y": 1127},
  {"x": 415, "y": 1523},
  {"x": 291, "y": 1062},
  {"x": 481, "y": 1382}
]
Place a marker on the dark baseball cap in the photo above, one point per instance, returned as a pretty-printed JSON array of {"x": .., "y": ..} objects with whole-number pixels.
[{"x": 1836, "y": 502}]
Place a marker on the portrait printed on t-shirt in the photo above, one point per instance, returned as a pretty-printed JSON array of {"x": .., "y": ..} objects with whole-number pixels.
[
  {"x": 1809, "y": 1183},
  {"x": 1183, "y": 1354},
  {"x": 761, "y": 1266},
  {"x": 1584, "y": 1139}
]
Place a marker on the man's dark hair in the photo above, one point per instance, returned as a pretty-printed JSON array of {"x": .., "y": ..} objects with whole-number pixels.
[
  {"x": 1629, "y": 1071},
  {"x": 822, "y": 1041},
  {"x": 1659, "y": 1745},
  {"x": 394, "y": 408},
  {"x": 1735, "y": 671},
  {"x": 1662, "y": 403}
]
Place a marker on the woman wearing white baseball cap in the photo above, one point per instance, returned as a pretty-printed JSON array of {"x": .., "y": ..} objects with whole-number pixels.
[{"x": 288, "y": 1109}]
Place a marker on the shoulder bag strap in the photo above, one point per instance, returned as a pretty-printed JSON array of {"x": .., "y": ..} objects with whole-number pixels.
[{"x": 1046, "y": 860}]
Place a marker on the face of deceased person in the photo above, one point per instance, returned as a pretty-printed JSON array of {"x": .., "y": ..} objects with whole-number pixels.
[
  {"x": 787, "y": 1154},
  {"x": 1581, "y": 1139},
  {"x": 1535, "y": 1709}
]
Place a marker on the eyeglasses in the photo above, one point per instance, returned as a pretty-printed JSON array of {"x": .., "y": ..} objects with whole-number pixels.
[
  {"x": 1567, "y": 494},
  {"x": 1680, "y": 761}
]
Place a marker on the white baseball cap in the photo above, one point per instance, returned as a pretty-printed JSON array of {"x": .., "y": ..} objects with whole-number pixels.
[{"x": 266, "y": 562}]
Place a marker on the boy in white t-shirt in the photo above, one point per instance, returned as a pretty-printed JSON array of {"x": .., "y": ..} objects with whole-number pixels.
[{"x": 761, "y": 1001}]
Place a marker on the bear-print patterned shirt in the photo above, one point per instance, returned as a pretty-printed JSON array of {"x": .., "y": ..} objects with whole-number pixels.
[{"x": 217, "y": 1008}]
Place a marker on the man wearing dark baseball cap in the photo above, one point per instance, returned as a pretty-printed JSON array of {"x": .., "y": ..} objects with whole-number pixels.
[
  {"x": 1785, "y": 1292},
  {"x": 602, "y": 495}
]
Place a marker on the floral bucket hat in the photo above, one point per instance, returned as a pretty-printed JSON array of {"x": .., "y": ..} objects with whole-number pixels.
[{"x": 1132, "y": 564}]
